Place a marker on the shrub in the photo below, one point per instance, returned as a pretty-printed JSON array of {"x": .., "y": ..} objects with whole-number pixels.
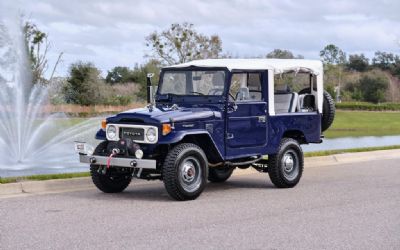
[
  {"x": 373, "y": 88},
  {"x": 368, "y": 106},
  {"x": 84, "y": 85}
]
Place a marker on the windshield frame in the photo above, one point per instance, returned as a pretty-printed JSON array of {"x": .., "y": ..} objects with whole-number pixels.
[{"x": 194, "y": 97}]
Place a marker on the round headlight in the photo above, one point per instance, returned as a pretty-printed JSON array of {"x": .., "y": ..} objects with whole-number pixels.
[
  {"x": 111, "y": 132},
  {"x": 151, "y": 135}
]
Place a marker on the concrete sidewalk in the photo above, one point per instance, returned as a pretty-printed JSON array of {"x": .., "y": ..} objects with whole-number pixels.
[{"x": 76, "y": 184}]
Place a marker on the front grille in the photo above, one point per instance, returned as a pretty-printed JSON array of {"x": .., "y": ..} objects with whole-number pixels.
[{"x": 136, "y": 134}]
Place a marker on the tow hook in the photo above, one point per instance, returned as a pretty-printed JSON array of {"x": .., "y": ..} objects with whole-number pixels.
[{"x": 114, "y": 152}]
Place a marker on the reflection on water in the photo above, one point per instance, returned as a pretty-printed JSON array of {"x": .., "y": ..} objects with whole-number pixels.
[{"x": 353, "y": 142}]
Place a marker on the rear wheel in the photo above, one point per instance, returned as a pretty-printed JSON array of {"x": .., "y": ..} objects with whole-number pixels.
[
  {"x": 219, "y": 174},
  {"x": 108, "y": 182},
  {"x": 185, "y": 171},
  {"x": 286, "y": 167}
]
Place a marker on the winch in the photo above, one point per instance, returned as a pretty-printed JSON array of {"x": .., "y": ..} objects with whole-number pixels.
[{"x": 125, "y": 147}]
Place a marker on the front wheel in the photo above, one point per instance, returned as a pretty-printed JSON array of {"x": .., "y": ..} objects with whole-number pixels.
[
  {"x": 286, "y": 167},
  {"x": 185, "y": 171},
  {"x": 108, "y": 182}
]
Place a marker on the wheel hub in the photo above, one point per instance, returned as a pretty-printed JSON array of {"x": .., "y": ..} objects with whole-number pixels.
[
  {"x": 288, "y": 163},
  {"x": 188, "y": 171}
]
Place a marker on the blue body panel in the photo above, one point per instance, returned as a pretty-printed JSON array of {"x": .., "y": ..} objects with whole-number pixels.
[
  {"x": 236, "y": 133},
  {"x": 309, "y": 124}
]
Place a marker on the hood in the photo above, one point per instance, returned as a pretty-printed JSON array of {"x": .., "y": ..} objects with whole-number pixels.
[{"x": 164, "y": 115}]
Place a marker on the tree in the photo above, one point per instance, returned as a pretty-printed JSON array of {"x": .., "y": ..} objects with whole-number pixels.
[
  {"x": 181, "y": 43},
  {"x": 373, "y": 88},
  {"x": 395, "y": 68},
  {"x": 119, "y": 75},
  {"x": 358, "y": 62},
  {"x": 283, "y": 54},
  {"x": 332, "y": 54},
  {"x": 83, "y": 85},
  {"x": 384, "y": 60},
  {"x": 38, "y": 46},
  {"x": 334, "y": 58}
]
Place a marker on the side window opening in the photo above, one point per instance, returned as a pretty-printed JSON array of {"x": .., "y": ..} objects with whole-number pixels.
[
  {"x": 295, "y": 92},
  {"x": 246, "y": 87}
]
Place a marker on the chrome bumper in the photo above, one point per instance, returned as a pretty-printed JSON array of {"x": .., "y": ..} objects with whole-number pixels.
[{"x": 118, "y": 162}]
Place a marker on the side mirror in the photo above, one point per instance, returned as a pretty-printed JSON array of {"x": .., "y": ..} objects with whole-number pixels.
[{"x": 149, "y": 88}]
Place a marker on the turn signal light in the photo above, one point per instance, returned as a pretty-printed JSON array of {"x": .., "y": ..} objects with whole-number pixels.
[
  {"x": 103, "y": 124},
  {"x": 166, "y": 128}
]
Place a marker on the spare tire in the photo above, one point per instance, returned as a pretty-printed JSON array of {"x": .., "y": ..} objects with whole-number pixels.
[{"x": 328, "y": 109}]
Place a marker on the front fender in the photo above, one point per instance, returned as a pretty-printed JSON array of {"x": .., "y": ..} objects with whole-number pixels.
[
  {"x": 177, "y": 136},
  {"x": 205, "y": 140},
  {"x": 101, "y": 135}
]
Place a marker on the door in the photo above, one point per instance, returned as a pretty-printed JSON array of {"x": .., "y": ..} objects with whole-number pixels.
[{"x": 246, "y": 115}]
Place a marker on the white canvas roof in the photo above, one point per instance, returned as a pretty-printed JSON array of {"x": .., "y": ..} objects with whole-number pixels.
[{"x": 277, "y": 65}]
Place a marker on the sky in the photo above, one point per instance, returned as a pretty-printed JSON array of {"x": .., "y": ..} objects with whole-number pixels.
[{"x": 112, "y": 33}]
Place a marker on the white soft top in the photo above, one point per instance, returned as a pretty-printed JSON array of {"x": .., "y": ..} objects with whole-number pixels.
[{"x": 277, "y": 65}]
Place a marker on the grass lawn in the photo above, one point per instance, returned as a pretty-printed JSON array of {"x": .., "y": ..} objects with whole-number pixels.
[
  {"x": 364, "y": 123},
  {"x": 43, "y": 177}
]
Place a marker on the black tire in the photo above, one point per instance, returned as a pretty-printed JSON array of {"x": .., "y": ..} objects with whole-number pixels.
[
  {"x": 285, "y": 168},
  {"x": 185, "y": 171},
  {"x": 106, "y": 182},
  {"x": 328, "y": 109},
  {"x": 219, "y": 174}
]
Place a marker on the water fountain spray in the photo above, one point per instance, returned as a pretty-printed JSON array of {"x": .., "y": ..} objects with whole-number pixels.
[{"x": 29, "y": 135}]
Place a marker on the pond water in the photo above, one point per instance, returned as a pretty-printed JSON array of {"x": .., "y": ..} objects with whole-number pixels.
[
  {"x": 353, "y": 142},
  {"x": 70, "y": 163}
]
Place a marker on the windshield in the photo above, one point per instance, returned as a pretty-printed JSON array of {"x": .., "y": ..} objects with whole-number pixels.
[{"x": 193, "y": 82}]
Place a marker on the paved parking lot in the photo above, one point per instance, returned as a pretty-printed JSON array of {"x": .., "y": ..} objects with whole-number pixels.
[{"x": 347, "y": 206}]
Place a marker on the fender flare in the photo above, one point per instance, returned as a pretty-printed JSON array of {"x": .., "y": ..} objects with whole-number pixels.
[{"x": 178, "y": 136}]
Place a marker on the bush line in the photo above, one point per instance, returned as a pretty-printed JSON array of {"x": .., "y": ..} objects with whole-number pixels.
[{"x": 366, "y": 106}]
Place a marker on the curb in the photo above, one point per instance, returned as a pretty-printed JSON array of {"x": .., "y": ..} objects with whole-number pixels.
[
  {"x": 37, "y": 187},
  {"x": 82, "y": 183},
  {"x": 346, "y": 158}
]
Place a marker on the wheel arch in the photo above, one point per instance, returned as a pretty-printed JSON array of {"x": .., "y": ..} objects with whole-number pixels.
[
  {"x": 297, "y": 135},
  {"x": 206, "y": 143}
]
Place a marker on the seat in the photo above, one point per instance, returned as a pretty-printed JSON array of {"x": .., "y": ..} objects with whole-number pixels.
[
  {"x": 286, "y": 102},
  {"x": 218, "y": 84},
  {"x": 255, "y": 95},
  {"x": 306, "y": 103},
  {"x": 243, "y": 94}
]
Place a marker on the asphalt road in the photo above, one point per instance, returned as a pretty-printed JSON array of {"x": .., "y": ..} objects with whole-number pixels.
[{"x": 353, "y": 206}]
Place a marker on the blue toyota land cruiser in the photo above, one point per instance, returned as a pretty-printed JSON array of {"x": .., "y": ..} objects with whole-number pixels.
[{"x": 208, "y": 117}]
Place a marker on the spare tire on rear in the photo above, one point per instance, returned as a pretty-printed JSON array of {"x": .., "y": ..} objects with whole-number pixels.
[{"x": 328, "y": 109}]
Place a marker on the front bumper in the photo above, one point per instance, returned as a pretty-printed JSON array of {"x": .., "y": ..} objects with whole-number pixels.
[{"x": 118, "y": 162}]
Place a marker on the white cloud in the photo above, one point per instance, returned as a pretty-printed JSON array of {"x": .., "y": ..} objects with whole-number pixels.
[{"x": 111, "y": 33}]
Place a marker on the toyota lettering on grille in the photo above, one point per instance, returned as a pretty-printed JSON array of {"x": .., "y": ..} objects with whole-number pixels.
[{"x": 130, "y": 133}]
